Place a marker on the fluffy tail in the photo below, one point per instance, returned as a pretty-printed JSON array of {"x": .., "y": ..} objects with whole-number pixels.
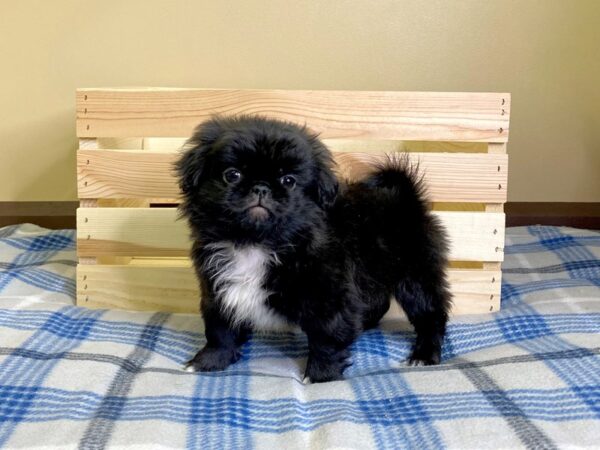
[{"x": 400, "y": 177}]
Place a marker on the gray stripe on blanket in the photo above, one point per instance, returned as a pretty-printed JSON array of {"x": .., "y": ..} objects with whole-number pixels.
[
  {"x": 529, "y": 434},
  {"x": 99, "y": 430},
  {"x": 556, "y": 268},
  {"x": 130, "y": 366}
]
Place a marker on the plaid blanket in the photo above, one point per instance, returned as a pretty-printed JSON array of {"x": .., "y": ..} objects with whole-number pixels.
[{"x": 528, "y": 376}]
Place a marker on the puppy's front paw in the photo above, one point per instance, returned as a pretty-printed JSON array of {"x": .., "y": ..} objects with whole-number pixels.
[
  {"x": 321, "y": 371},
  {"x": 322, "y": 375},
  {"x": 212, "y": 360},
  {"x": 424, "y": 356}
]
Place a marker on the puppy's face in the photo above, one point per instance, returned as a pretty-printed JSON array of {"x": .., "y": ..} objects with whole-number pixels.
[
  {"x": 255, "y": 176},
  {"x": 260, "y": 179}
]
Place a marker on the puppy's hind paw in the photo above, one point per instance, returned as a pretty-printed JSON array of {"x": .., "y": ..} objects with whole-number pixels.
[
  {"x": 424, "y": 358},
  {"x": 414, "y": 362},
  {"x": 189, "y": 367}
]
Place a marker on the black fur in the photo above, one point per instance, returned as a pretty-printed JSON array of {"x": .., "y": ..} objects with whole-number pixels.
[{"x": 343, "y": 250}]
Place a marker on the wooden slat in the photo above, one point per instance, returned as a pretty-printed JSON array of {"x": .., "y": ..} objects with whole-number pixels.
[
  {"x": 450, "y": 177},
  {"x": 155, "y": 232},
  {"x": 175, "y": 288},
  {"x": 443, "y": 116},
  {"x": 126, "y": 174},
  {"x": 131, "y": 232},
  {"x": 161, "y": 288},
  {"x": 475, "y": 291}
]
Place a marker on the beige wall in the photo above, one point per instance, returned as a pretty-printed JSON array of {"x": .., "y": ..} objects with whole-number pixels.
[{"x": 545, "y": 52}]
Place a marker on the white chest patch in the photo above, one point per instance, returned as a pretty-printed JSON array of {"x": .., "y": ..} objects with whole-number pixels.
[{"x": 238, "y": 274}]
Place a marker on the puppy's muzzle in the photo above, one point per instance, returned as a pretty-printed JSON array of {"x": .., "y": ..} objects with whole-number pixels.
[{"x": 259, "y": 209}]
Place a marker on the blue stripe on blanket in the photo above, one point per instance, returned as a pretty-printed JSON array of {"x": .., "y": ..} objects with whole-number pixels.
[
  {"x": 584, "y": 371},
  {"x": 225, "y": 409},
  {"x": 177, "y": 345},
  {"x": 39, "y": 250},
  {"x": 13, "y": 371},
  {"x": 280, "y": 415},
  {"x": 54, "y": 240},
  {"x": 555, "y": 243}
]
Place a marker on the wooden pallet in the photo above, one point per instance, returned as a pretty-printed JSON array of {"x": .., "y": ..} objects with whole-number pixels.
[{"x": 133, "y": 251}]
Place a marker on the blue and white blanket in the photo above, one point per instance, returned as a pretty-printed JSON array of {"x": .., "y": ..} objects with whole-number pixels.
[{"x": 527, "y": 376}]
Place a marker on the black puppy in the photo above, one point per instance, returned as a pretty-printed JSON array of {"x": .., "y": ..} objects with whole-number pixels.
[{"x": 278, "y": 242}]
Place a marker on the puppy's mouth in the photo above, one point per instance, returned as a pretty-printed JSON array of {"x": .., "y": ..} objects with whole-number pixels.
[{"x": 258, "y": 211}]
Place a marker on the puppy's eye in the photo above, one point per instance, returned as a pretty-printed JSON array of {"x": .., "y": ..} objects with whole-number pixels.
[
  {"x": 288, "y": 181},
  {"x": 232, "y": 176}
]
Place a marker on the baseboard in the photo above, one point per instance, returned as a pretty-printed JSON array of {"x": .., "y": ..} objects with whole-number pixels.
[
  {"x": 53, "y": 215},
  {"x": 577, "y": 215},
  {"x": 57, "y": 215}
]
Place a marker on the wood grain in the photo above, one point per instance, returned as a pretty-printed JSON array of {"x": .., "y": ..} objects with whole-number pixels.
[
  {"x": 431, "y": 116},
  {"x": 155, "y": 232},
  {"x": 450, "y": 177},
  {"x": 174, "y": 288},
  {"x": 138, "y": 288}
]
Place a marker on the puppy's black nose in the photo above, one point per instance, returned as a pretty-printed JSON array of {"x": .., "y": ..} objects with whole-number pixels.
[{"x": 261, "y": 190}]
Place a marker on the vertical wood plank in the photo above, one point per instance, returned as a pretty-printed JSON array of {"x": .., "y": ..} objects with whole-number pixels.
[
  {"x": 88, "y": 144},
  {"x": 494, "y": 207},
  {"x": 498, "y": 148}
]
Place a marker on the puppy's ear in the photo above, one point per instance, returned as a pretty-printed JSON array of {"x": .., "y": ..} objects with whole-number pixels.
[
  {"x": 192, "y": 166},
  {"x": 328, "y": 187},
  {"x": 327, "y": 183}
]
